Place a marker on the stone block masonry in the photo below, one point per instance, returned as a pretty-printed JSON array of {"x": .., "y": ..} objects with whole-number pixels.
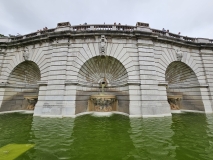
[{"x": 142, "y": 67}]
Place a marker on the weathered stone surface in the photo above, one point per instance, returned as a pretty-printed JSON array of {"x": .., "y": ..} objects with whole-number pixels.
[{"x": 143, "y": 67}]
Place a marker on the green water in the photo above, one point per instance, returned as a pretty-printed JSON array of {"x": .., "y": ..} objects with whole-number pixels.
[{"x": 180, "y": 137}]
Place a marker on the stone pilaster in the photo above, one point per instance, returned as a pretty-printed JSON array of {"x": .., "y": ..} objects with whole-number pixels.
[
  {"x": 2, "y": 55},
  {"x": 135, "y": 109},
  {"x": 207, "y": 92},
  {"x": 52, "y": 103},
  {"x": 2, "y": 90},
  {"x": 154, "y": 99}
]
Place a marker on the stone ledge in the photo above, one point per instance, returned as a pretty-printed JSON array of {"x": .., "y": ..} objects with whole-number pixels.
[
  {"x": 189, "y": 86},
  {"x": 42, "y": 83},
  {"x": 30, "y": 86},
  {"x": 162, "y": 83}
]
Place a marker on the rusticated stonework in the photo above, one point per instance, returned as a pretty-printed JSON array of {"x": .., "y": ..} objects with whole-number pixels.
[{"x": 143, "y": 67}]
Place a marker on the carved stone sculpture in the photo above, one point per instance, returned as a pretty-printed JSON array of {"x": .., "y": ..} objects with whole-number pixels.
[
  {"x": 174, "y": 103},
  {"x": 31, "y": 103},
  {"x": 103, "y": 45},
  {"x": 26, "y": 54},
  {"x": 179, "y": 55}
]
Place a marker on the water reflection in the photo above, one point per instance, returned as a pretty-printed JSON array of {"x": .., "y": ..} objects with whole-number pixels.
[
  {"x": 191, "y": 136},
  {"x": 101, "y": 138},
  {"x": 182, "y": 136},
  {"x": 209, "y": 147},
  {"x": 15, "y": 128},
  {"x": 152, "y": 138},
  {"x": 84, "y": 137},
  {"x": 52, "y": 138}
]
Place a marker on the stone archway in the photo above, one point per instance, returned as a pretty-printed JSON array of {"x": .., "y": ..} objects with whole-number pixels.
[
  {"x": 96, "y": 70},
  {"x": 183, "y": 90},
  {"x": 21, "y": 91}
]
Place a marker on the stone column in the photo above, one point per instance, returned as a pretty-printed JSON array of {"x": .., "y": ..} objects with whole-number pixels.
[{"x": 154, "y": 100}]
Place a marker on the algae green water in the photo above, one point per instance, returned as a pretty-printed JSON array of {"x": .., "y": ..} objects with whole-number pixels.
[{"x": 180, "y": 137}]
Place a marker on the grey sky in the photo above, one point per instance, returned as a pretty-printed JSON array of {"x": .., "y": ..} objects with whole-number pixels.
[{"x": 190, "y": 17}]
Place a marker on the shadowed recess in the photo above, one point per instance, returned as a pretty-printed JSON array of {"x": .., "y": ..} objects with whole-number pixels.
[
  {"x": 99, "y": 67},
  {"x": 26, "y": 72},
  {"x": 182, "y": 81},
  {"x": 95, "y": 71},
  {"x": 22, "y": 92}
]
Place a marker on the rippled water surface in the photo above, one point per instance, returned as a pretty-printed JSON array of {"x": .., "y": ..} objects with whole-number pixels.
[{"x": 181, "y": 137}]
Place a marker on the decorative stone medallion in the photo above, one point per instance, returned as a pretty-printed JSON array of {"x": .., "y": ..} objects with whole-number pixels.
[
  {"x": 103, "y": 45},
  {"x": 26, "y": 54},
  {"x": 179, "y": 55}
]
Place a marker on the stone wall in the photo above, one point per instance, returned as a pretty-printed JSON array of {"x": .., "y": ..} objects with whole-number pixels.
[{"x": 141, "y": 76}]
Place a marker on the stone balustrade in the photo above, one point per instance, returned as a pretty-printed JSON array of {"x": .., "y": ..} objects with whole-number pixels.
[
  {"x": 174, "y": 35},
  {"x": 66, "y": 26}
]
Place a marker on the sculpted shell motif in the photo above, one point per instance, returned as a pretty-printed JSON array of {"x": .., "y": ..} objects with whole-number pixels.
[{"x": 100, "y": 67}]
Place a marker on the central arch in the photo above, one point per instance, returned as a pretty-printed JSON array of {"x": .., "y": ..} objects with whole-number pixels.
[
  {"x": 96, "y": 70},
  {"x": 183, "y": 89}
]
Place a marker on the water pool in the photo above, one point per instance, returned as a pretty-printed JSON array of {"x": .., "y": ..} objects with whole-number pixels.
[{"x": 181, "y": 137}]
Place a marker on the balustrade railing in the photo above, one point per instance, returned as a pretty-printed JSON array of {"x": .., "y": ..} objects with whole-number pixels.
[
  {"x": 102, "y": 27},
  {"x": 47, "y": 31},
  {"x": 159, "y": 31},
  {"x": 114, "y": 27},
  {"x": 189, "y": 39},
  {"x": 31, "y": 35},
  {"x": 125, "y": 28},
  {"x": 80, "y": 28},
  {"x": 17, "y": 38},
  {"x": 174, "y": 35}
]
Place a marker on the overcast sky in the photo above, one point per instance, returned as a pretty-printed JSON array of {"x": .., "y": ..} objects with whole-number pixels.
[{"x": 193, "y": 18}]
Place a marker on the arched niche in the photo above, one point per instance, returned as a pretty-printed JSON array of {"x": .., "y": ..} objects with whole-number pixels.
[
  {"x": 22, "y": 90},
  {"x": 183, "y": 90},
  {"x": 93, "y": 72}
]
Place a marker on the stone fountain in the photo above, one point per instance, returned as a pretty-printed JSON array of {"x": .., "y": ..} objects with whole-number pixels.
[
  {"x": 32, "y": 100},
  {"x": 102, "y": 102}
]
